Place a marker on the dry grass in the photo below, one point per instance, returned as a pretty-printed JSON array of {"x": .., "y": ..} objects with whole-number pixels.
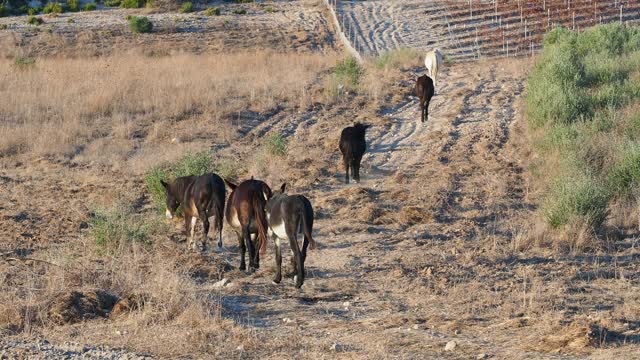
[{"x": 59, "y": 106}]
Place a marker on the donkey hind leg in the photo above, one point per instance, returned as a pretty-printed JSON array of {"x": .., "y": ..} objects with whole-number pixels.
[
  {"x": 355, "y": 169},
  {"x": 255, "y": 239},
  {"x": 346, "y": 171},
  {"x": 292, "y": 234},
  {"x": 243, "y": 250},
  {"x": 192, "y": 233},
  {"x": 278, "y": 248},
  {"x": 246, "y": 236}
]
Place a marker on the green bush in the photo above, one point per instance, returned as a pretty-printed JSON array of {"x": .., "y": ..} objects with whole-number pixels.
[
  {"x": 53, "y": 8},
  {"x": 35, "y": 21},
  {"x": 73, "y": 5},
  {"x": 131, "y": 4},
  {"x": 240, "y": 11},
  {"x": 276, "y": 144},
  {"x": 212, "y": 12},
  {"x": 89, "y": 7},
  {"x": 118, "y": 226},
  {"x": 4, "y": 11},
  {"x": 190, "y": 164},
  {"x": 348, "y": 72},
  {"x": 397, "y": 58},
  {"x": 24, "y": 62},
  {"x": 186, "y": 7},
  {"x": 112, "y": 3},
  {"x": 140, "y": 24},
  {"x": 269, "y": 9},
  {"x": 574, "y": 197},
  {"x": 34, "y": 11},
  {"x": 575, "y": 98}
]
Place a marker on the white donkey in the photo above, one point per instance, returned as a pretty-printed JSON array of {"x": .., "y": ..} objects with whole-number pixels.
[{"x": 432, "y": 61}]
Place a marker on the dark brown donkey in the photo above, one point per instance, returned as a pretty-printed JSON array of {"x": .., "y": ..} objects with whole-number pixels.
[
  {"x": 245, "y": 214},
  {"x": 352, "y": 146},
  {"x": 424, "y": 91},
  {"x": 288, "y": 216},
  {"x": 200, "y": 196}
]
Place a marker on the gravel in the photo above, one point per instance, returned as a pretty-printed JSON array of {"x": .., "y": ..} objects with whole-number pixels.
[{"x": 43, "y": 349}]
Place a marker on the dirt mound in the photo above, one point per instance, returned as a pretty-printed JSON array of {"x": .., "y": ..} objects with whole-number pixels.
[
  {"x": 128, "y": 304},
  {"x": 76, "y": 306},
  {"x": 577, "y": 337}
]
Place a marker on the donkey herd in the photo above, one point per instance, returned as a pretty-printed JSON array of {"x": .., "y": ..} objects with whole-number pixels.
[{"x": 255, "y": 212}]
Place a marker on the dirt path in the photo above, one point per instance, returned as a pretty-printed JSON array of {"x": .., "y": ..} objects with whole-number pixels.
[{"x": 380, "y": 278}]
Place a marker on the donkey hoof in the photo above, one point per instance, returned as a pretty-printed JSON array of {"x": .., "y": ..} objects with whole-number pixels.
[{"x": 275, "y": 282}]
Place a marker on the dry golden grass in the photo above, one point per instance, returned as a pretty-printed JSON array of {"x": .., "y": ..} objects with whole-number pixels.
[{"x": 59, "y": 106}]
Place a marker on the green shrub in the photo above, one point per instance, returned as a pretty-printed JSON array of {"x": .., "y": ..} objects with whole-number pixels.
[
  {"x": 118, "y": 226},
  {"x": 576, "y": 197},
  {"x": 24, "y": 62},
  {"x": 34, "y": 11},
  {"x": 240, "y": 11},
  {"x": 112, "y": 3},
  {"x": 276, "y": 144},
  {"x": 4, "y": 26},
  {"x": 35, "y": 21},
  {"x": 186, "y": 7},
  {"x": 190, "y": 164},
  {"x": 4, "y": 11},
  {"x": 212, "y": 11},
  {"x": 73, "y": 5},
  {"x": 244, "y": 1},
  {"x": 89, "y": 7},
  {"x": 71, "y": 21},
  {"x": 53, "y": 8},
  {"x": 140, "y": 24},
  {"x": 131, "y": 4},
  {"x": 397, "y": 58},
  {"x": 625, "y": 174},
  {"x": 349, "y": 72},
  {"x": 269, "y": 9}
]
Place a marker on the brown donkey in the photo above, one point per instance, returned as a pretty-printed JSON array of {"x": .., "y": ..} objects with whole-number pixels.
[
  {"x": 245, "y": 214},
  {"x": 289, "y": 215},
  {"x": 200, "y": 196}
]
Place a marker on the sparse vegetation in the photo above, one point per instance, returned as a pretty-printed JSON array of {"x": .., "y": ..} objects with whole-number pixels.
[
  {"x": 243, "y": 1},
  {"x": 186, "y": 7},
  {"x": 212, "y": 12},
  {"x": 269, "y": 9},
  {"x": 117, "y": 227},
  {"x": 34, "y": 20},
  {"x": 276, "y": 144},
  {"x": 53, "y": 8},
  {"x": 240, "y": 11},
  {"x": 398, "y": 58},
  {"x": 576, "y": 98},
  {"x": 131, "y": 4},
  {"x": 24, "y": 62},
  {"x": 89, "y": 7},
  {"x": 190, "y": 164},
  {"x": 112, "y": 3},
  {"x": 73, "y": 5},
  {"x": 140, "y": 24}
]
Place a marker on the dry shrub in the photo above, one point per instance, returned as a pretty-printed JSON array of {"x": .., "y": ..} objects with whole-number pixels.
[
  {"x": 60, "y": 105},
  {"x": 76, "y": 306}
]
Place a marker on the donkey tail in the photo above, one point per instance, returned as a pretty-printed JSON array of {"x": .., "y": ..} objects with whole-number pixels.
[
  {"x": 307, "y": 227},
  {"x": 261, "y": 220}
]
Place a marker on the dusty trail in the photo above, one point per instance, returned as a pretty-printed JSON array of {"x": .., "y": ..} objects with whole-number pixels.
[{"x": 374, "y": 280}]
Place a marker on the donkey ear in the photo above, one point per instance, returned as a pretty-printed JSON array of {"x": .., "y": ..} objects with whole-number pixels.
[
  {"x": 231, "y": 185},
  {"x": 164, "y": 184},
  {"x": 284, "y": 185}
]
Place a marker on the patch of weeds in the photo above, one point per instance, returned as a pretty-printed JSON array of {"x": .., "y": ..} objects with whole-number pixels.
[
  {"x": 34, "y": 11},
  {"x": 275, "y": 144},
  {"x": 186, "y": 7},
  {"x": 24, "y": 62},
  {"x": 71, "y": 21},
  {"x": 397, "y": 58},
  {"x": 119, "y": 226},
  {"x": 269, "y": 9},
  {"x": 131, "y": 4},
  {"x": 53, "y": 8},
  {"x": 244, "y": 1},
  {"x": 34, "y": 20},
  {"x": 4, "y": 26},
  {"x": 112, "y": 3},
  {"x": 89, "y": 7},
  {"x": 349, "y": 72},
  {"x": 140, "y": 24},
  {"x": 73, "y": 5},
  {"x": 240, "y": 11},
  {"x": 212, "y": 12}
]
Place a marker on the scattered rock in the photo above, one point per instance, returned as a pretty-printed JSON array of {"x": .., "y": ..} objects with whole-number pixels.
[
  {"x": 287, "y": 320},
  {"x": 240, "y": 348},
  {"x": 481, "y": 356},
  {"x": 222, "y": 283},
  {"x": 416, "y": 327},
  {"x": 337, "y": 347},
  {"x": 451, "y": 345}
]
